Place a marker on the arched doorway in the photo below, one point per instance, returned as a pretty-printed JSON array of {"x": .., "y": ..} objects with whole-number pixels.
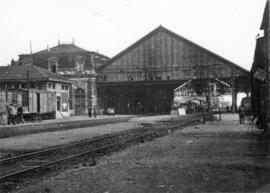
[{"x": 79, "y": 101}]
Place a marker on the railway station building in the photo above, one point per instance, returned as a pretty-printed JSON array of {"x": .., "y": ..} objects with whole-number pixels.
[
  {"x": 75, "y": 64},
  {"x": 37, "y": 90},
  {"x": 143, "y": 77}
]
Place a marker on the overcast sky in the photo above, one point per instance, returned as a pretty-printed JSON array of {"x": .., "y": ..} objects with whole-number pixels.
[{"x": 226, "y": 27}]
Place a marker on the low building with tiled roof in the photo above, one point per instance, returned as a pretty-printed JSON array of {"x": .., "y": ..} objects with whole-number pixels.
[{"x": 36, "y": 89}]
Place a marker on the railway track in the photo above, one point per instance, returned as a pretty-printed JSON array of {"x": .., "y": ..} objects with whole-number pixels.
[{"x": 16, "y": 169}]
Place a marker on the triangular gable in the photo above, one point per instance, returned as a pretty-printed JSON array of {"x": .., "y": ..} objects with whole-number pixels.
[{"x": 178, "y": 37}]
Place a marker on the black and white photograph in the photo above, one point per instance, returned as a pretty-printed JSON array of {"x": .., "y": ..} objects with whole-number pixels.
[{"x": 135, "y": 96}]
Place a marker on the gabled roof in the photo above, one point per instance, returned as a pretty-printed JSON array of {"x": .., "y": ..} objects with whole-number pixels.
[
  {"x": 62, "y": 49},
  {"x": 19, "y": 73},
  {"x": 265, "y": 16},
  {"x": 163, "y": 29}
]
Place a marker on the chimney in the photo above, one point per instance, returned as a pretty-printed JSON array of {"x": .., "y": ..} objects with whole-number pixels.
[{"x": 48, "y": 48}]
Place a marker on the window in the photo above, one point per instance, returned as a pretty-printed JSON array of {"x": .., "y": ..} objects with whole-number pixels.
[
  {"x": 58, "y": 103},
  {"x": 80, "y": 66},
  {"x": 63, "y": 87},
  {"x": 53, "y": 64},
  {"x": 53, "y": 68},
  {"x": 53, "y": 86},
  {"x": 79, "y": 63}
]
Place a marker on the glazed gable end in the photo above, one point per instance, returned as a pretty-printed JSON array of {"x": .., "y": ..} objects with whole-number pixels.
[{"x": 164, "y": 55}]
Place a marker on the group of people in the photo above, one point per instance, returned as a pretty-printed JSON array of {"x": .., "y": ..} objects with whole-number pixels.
[
  {"x": 15, "y": 114},
  {"x": 90, "y": 112}
]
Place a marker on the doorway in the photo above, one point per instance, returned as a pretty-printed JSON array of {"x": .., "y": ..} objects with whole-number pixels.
[{"x": 79, "y": 101}]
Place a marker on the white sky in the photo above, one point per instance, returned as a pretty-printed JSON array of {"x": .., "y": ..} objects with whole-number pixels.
[{"x": 226, "y": 27}]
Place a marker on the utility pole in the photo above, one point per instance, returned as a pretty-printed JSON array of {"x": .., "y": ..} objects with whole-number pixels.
[
  {"x": 233, "y": 97},
  {"x": 28, "y": 87}
]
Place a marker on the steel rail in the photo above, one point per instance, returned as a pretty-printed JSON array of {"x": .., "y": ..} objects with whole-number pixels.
[
  {"x": 95, "y": 139},
  {"x": 108, "y": 146},
  {"x": 92, "y": 140},
  {"x": 71, "y": 157}
]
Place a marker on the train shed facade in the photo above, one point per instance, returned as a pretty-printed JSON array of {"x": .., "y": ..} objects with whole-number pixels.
[{"x": 142, "y": 78}]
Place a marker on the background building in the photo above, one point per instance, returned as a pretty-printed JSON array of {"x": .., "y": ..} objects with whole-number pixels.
[{"x": 75, "y": 64}]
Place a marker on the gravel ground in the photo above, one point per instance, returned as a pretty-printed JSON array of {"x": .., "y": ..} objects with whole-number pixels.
[
  {"x": 47, "y": 139},
  {"x": 153, "y": 119},
  {"x": 215, "y": 157},
  {"x": 43, "y": 140}
]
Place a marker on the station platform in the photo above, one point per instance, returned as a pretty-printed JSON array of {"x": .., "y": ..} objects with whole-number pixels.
[{"x": 71, "y": 122}]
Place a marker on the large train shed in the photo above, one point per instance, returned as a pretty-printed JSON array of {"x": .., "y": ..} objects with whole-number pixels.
[{"x": 142, "y": 78}]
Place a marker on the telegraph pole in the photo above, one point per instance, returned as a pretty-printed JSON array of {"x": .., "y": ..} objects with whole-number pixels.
[{"x": 28, "y": 87}]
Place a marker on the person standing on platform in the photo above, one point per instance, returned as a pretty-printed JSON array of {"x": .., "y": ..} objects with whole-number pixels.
[
  {"x": 89, "y": 112},
  {"x": 20, "y": 114},
  {"x": 241, "y": 112},
  {"x": 12, "y": 114},
  {"x": 8, "y": 115},
  {"x": 95, "y": 112}
]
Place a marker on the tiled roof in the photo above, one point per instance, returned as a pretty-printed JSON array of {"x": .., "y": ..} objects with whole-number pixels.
[
  {"x": 62, "y": 48},
  {"x": 19, "y": 73}
]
